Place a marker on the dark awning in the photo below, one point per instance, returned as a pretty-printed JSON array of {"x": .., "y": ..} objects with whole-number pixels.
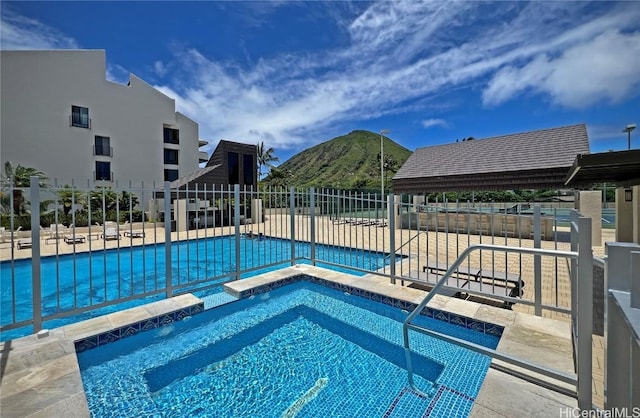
[{"x": 619, "y": 167}]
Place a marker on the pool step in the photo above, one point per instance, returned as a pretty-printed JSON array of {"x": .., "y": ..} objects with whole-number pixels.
[
  {"x": 407, "y": 403},
  {"x": 217, "y": 299},
  {"x": 445, "y": 402}
]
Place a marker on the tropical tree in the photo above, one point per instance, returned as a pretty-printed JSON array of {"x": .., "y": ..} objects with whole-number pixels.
[
  {"x": 102, "y": 198},
  {"x": 19, "y": 177},
  {"x": 69, "y": 196},
  {"x": 128, "y": 201},
  {"x": 111, "y": 201},
  {"x": 265, "y": 158},
  {"x": 280, "y": 177}
]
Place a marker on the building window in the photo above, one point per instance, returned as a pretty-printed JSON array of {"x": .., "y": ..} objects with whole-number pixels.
[
  {"x": 170, "y": 175},
  {"x": 171, "y": 136},
  {"x": 248, "y": 168},
  {"x": 171, "y": 156},
  {"x": 80, "y": 117},
  {"x": 102, "y": 146},
  {"x": 103, "y": 170},
  {"x": 234, "y": 169}
]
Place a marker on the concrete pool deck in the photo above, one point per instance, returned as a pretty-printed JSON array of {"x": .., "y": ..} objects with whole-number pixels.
[{"x": 40, "y": 377}]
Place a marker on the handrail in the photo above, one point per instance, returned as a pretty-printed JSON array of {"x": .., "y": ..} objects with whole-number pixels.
[
  {"x": 400, "y": 247},
  {"x": 493, "y": 353},
  {"x": 599, "y": 261}
]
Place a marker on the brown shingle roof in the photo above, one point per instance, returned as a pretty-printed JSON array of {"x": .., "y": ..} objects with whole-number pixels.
[
  {"x": 547, "y": 148},
  {"x": 536, "y": 159}
]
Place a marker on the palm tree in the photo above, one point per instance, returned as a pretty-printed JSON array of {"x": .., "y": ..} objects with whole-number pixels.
[
  {"x": 265, "y": 158},
  {"x": 19, "y": 177},
  {"x": 69, "y": 196},
  {"x": 128, "y": 201},
  {"x": 102, "y": 201}
]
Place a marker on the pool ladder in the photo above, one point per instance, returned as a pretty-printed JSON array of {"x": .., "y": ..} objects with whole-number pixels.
[{"x": 570, "y": 379}]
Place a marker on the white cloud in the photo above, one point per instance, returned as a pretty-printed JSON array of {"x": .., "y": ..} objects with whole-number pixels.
[
  {"x": 160, "y": 68},
  {"x": 19, "y": 32},
  {"x": 428, "y": 123},
  {"x": 400, "y": 53},
  {"x": 402, "y": 56},
  {"x": 604, "y": 69}
]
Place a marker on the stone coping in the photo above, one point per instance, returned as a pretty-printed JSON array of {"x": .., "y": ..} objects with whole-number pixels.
[
  {"x": 40, "y": 373},
  {"x": 262, "y": 286}
]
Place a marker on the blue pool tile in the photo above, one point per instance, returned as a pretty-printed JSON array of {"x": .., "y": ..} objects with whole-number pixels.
[
  {"x": 86, "y": 343},
  {"x": 441, "y": 315},
  {"x": 458, "y": 320},
  {"x": 165, "y": 320},
  {"x": 399, "y": 304},
  {"x": 129, "y": 331},
  {"x": 476, "y": 325},
  {"x": 181, "y": 314},
  {"x": 271, "y": 286},
  {"x": 109, "y": 337},
  {"x": 407, "y": 403},
  {"x": 492, "y": 329},
  {"x": 449, "y": 403},
  {"x": 149, "y": 324}
]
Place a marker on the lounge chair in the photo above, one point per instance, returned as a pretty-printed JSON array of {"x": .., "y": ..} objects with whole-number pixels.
[
  {"x": 9, "y": 236},
  {"x": 134, "y": 234},
  {"x": 131, "y": 233},
  {"x": 110, "y": 233},
  {"x": 56, "y": 231},
  {"x": 71, "y": 239},
  {"x": 24, "y": 243}
]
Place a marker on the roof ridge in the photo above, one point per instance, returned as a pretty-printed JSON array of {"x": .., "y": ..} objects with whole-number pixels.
[{"x": 539, "y": 130}]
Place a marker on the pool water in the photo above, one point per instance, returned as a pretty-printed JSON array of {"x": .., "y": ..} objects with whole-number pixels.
[
  {"x": 86, "y": 279},
  {"x": 300, "y": 350}
]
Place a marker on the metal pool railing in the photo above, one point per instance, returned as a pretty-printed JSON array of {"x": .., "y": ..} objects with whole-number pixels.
[
  {"x": 98, "y": 247},
  {"x": 582, "y": 316}
]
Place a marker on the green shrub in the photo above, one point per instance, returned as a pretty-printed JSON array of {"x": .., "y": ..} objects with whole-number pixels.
[{"x": 135, "y": 216}]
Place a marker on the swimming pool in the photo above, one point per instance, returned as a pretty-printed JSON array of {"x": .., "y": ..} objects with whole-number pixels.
[
  {"x": 83, "y": 280},
  {"x": 299, "y": 350}
]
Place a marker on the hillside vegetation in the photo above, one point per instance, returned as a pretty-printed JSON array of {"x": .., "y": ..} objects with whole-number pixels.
[{"x": 347, "y": 162}]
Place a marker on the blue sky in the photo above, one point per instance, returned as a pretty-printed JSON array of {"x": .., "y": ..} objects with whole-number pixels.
[{"x": 294, "y": 74}]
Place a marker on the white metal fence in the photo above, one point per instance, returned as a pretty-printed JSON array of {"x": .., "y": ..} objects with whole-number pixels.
[{"x": 96, "y": 249}]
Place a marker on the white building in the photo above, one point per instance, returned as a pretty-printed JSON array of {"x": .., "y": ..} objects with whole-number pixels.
[{"x": 61, "y": 116}]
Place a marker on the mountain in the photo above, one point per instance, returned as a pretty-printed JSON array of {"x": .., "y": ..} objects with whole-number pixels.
[{"x": 347, "y": 162}]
